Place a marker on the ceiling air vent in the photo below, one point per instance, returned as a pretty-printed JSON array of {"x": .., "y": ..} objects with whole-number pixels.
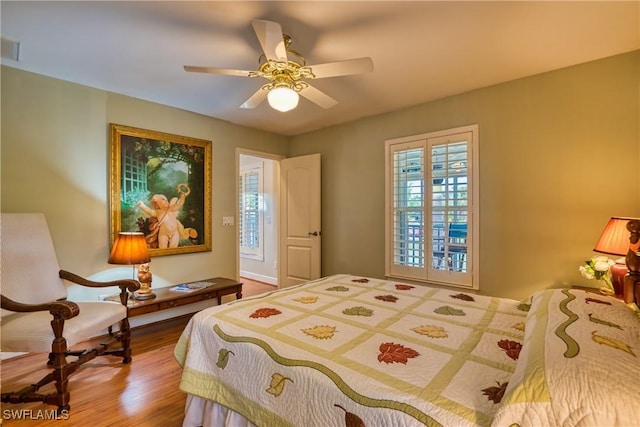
[{"x": 10, "y": 49}]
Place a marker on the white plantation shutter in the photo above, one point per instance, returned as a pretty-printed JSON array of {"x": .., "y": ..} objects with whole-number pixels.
[
  {"x": 431, "y": 220},
  {"x": 408, "y": 195},
  {"x": 251, "y": 218}
]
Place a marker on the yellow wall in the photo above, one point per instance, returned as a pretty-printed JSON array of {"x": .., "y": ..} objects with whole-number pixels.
[{"x": 559, "y": 154}]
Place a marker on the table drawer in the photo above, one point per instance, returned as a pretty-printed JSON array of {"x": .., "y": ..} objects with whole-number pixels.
[{"x": 163, "y": 305}]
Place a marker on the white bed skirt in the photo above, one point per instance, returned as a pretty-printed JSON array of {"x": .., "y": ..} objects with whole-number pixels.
[{"x": 200, "y": 412}]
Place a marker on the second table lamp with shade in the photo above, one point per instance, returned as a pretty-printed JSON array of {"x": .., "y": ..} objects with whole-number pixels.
[
  {"x": 130, "y": 248},
  {"x": 614, "y": 240}
]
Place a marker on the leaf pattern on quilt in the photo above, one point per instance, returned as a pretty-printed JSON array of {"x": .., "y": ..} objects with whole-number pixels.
[
  {"x": 447, "y": 310},
  {"x": 386, "y": 298},
  {"x": 276, "y": 386},
  {"x": 432, "y": 331},
  {"x": 265, "y": 312},
  {"x": 603, "y": 322},
  {"x": 360, "y": 280},
  {"x": 611, "y": 342},
  {"x": 307, "y": 300},
  {"x": 396, "y": 353},
  {"x": 524, "y": 306},
  {"x": 495, "y": 393},
  {"x": 420, "y": 416},
  {"x": 351, "y": 420},
  {"x": 321, "y": 332},
  {"x": 512, "y": 348},
  {"x": 223, "y": 358},
  {"x": 358, "y": 311},
  {"x": 463, "y": 297},
  {"x": 519, "y": 326},
  {"x": 338, "y": 289},
  {"x": 598, "y": 301},
  {"x": 403, "y": 287}
]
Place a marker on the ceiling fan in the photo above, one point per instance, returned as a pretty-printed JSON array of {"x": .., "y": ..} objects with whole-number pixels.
[{"x": 286, "y": 71}]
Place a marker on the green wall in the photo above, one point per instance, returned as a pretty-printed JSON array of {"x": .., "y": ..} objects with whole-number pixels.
[
  {"x": 55, "y": 160},
  {"x": 559, "y": 155}
]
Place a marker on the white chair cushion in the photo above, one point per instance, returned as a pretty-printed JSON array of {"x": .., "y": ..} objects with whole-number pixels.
[{"x": 31, "y": 332}]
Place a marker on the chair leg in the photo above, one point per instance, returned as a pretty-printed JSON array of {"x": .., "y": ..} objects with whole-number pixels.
[
  {"x": 125, "y": 339},
  {"x": 61, "y": 370}
]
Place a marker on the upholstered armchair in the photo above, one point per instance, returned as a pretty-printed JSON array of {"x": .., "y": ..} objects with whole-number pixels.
[{"x": 36, "y": 316}]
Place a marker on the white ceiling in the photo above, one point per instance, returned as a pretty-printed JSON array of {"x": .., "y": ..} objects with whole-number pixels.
[{"x": 421, "y": 50}]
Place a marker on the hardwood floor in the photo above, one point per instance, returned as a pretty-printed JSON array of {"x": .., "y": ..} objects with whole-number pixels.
[
  {"x": 104, "y": 392},
  {"x": 252, "y": 287}
]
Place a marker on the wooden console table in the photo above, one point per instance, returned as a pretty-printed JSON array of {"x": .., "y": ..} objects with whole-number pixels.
[{"x": 166, "y": 298}]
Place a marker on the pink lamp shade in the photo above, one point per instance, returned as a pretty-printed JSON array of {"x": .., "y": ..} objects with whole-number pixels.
[{"x": 129, "y": 248}]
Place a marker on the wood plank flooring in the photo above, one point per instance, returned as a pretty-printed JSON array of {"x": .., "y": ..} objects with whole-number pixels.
[{"x": 104, "y": 392}]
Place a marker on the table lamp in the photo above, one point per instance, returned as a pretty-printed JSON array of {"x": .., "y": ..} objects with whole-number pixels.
[
  {"x": 614, "y": 240},
  {"x": 131, "y": 249}
]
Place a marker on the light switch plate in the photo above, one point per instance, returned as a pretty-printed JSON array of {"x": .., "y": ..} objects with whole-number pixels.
[{"x": 227, "y": 221}]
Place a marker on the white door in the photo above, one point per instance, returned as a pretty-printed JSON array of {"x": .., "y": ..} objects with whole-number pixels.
[{"x": 299, "y": 220}]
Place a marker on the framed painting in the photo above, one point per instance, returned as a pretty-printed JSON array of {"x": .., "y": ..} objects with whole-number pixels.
[{"x": 160, "y": 185}]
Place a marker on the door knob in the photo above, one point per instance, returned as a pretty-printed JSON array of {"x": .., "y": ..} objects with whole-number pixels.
[{"x": 314, "y": 233}]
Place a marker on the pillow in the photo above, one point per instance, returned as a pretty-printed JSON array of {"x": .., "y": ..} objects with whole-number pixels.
[{"x": 579, "y": 364}]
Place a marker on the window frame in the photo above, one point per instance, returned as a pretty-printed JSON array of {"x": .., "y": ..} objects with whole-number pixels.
[{"x": 426, "y": 273}]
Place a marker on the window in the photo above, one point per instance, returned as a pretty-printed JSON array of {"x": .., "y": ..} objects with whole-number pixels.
[
  {"x": 250, "y": 227},
  {"x": 431, "y": 217},
  {"x": 134, "y": 176}
]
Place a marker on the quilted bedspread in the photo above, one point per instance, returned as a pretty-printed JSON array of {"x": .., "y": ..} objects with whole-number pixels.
[
  {"x": 579, "y": 365},
  {"x": 346, "y": 351}
]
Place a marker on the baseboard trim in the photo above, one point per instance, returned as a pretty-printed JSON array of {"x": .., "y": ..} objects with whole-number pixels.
[{"x": 259, "y": 277}]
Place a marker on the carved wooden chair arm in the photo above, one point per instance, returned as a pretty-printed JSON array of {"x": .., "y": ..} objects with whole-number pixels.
[
  {"x": 130, "y": 285},
  {"x": 58, "y": 309},
  {"x": 125, "y": 285}
]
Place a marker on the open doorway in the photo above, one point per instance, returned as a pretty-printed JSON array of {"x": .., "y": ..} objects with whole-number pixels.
[{"x": 258, "y": 216}]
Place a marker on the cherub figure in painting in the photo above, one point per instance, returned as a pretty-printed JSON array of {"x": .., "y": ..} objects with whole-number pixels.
[{"x": 166, "y": 229}]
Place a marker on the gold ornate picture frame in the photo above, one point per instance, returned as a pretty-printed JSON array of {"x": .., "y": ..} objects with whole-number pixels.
[{"x": 160, "y": 185}]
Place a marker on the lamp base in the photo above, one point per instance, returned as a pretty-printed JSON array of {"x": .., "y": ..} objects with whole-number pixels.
[
  {"x": 618, "y": 271},
  {"x": 141, "y": 297}
]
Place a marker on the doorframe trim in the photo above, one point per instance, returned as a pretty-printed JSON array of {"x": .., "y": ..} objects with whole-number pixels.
[{"x": 253, "y": 153}]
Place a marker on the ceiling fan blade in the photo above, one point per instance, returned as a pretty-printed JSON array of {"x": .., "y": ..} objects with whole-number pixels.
[
  {"x": 255, "y": 99},
  {"x": 342, "y": 68},
  {"x": 214, "y": 70},
  {"x": 316, "y": 96},
  {"x": 270, "y": 37}
]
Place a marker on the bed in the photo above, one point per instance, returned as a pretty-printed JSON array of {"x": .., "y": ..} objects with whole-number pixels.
[{"x": 355, "y": 351}]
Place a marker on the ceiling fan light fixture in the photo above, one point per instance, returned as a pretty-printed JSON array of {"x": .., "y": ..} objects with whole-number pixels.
[
  {"x": 286, "y": 71},
  {"x": 283, "y": 98}
]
